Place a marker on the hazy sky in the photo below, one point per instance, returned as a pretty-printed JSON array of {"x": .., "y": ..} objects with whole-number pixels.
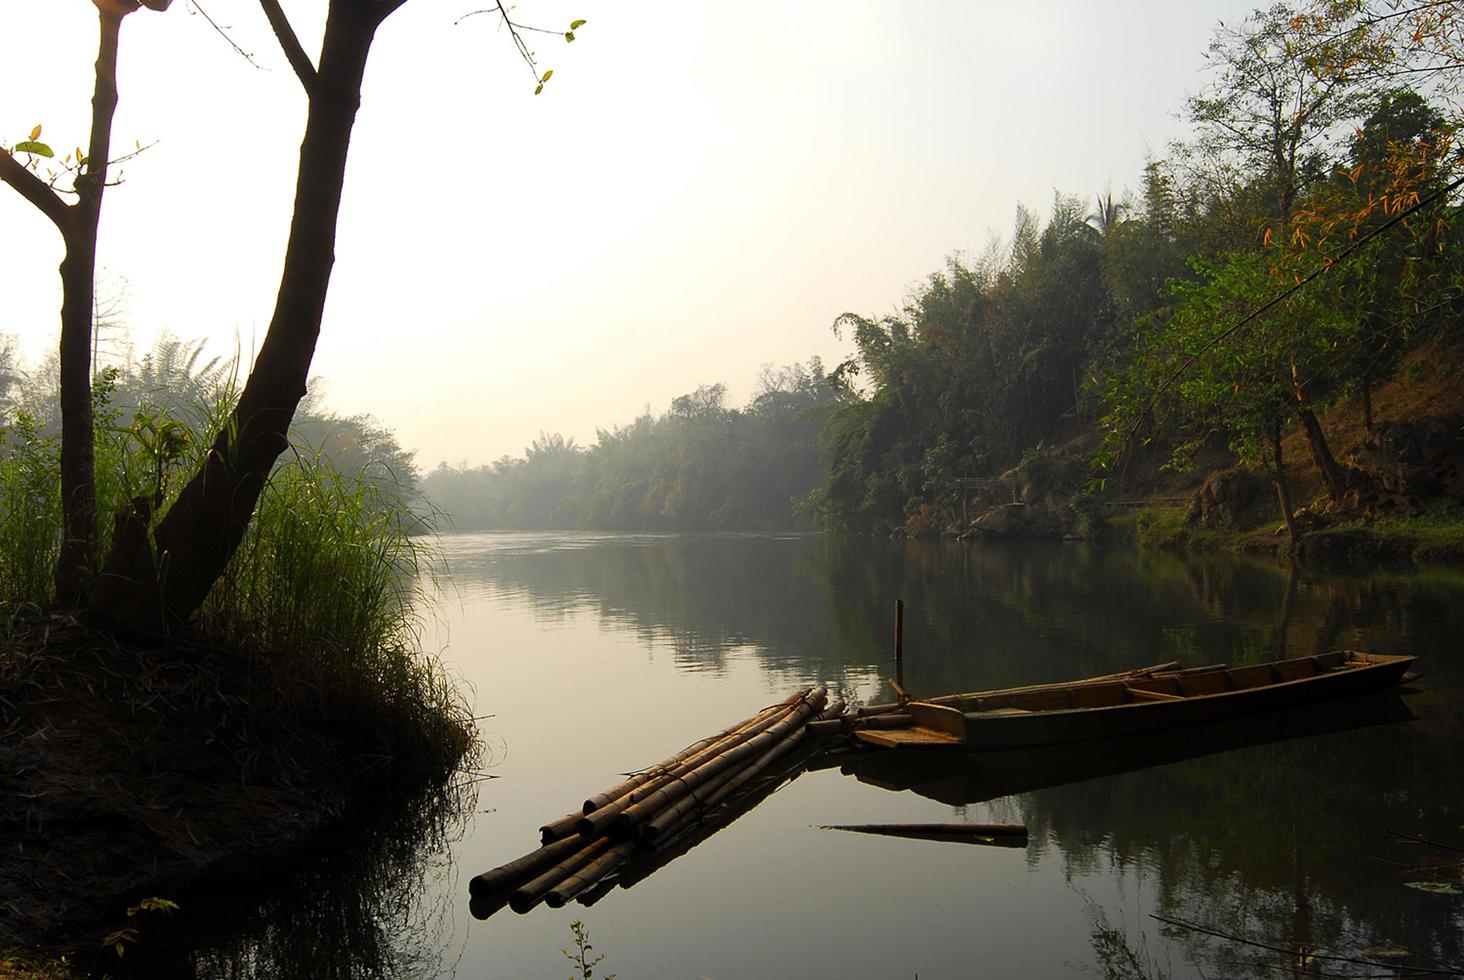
[{"x": 701, "y": 189}]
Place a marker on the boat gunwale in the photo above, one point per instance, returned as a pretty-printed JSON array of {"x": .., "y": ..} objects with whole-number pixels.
[{"x": 1374, "y": 662}]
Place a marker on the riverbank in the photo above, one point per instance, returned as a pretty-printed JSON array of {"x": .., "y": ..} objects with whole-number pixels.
[
  {"x": 1432, "y": 536},
  {"x": 135, "y": 773},
  {"x": 1403, "y": 469}
]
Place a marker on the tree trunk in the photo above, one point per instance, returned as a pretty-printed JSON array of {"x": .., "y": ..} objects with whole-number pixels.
[
  {"x": 1332, "y": 472},
  {"x": 1283, "y": 492},
  {"x": 1367, "y": 408},
  {"x": 77, "y": 559},
  {"x": 150, "y": 585}
]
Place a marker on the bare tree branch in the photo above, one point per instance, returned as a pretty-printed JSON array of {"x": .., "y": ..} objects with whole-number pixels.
[
  {"x": 225, "y": 35},
  {"x": 290, "y": 44},
  {"x": 34, "y": 190},
  {"x": 514, "y": 31}
]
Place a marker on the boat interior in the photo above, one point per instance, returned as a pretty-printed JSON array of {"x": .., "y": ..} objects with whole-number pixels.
[{"x": 1173, "y": 686}]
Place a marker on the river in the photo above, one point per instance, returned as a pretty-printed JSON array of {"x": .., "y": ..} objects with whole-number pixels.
[{"x": 591, "y": 655}]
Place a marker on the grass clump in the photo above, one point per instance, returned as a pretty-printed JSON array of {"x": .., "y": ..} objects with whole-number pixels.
[
  {"x": 30, "y": 511},
  {"x": 16, "y": 965},
  {"x": 326, "y": 589},
  {"x": 1433, "y": 536},
  {"x": 324, "y": 595}
]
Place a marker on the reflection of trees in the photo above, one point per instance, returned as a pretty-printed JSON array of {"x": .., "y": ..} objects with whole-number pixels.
[
  {"x": 352, "y": 909},
  {"x": 1282, "y": 843},
  {"x": 978, "y": 616}
]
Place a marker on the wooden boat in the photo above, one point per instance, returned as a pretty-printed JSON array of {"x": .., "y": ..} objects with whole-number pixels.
[
  {"x": 966, "y": 778},
  {"x": 1051, "y": 714}
]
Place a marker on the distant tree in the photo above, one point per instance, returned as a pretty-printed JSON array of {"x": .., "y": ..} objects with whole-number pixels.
[{"x": 1284, "y": 83}]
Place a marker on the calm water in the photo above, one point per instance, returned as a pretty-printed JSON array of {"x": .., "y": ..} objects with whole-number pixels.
[{"x": 599, "y": 654}]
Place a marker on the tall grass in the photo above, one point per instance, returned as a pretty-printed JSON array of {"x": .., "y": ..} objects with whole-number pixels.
[
  {"x": 30, "y": 512},
  {"x": 325, "y": 595},
  {"x": 329, "y": 586}
]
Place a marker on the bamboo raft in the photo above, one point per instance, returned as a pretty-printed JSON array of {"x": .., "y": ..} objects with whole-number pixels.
[{"x": 652, "y": 809}]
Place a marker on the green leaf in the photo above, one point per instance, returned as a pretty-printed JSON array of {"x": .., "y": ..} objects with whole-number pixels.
[
  {"x": 576, "y": 25},
  {"x": 34, "y": 147},
  {"x": 1434, "y": 887},
  {"x": 1386, "y": 951},
  {"x": 547, "y": 75},
  {"x": 538, "y": 88},
  {"x": 569, "y": 35}
]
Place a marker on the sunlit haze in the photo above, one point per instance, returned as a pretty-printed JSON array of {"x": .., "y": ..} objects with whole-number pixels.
[{"x": 700, "y": 189}]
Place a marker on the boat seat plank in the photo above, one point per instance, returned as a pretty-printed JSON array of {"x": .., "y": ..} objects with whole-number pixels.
[
  {"x": 909, "y": 738},
  {"x": 1144, "y": 695}
]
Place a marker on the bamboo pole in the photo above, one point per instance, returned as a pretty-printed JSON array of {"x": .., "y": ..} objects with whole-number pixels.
[
  {"x": 607, "y": 816},
  {"x": 680, "y": 840},
  {"x": 605, "y": 864},
  {"x": 636, "y": 813},
  {"x": 507, "y": 875},
  {"x": 650, "y": 772},
  {"x": 525, "y": 897},
  {"x": 834, "y": 711},
  {"x": 1171, "y": 666},
  {"x": 560, "y": 829},
  {"x": 678, "y": 816},
  {"x": 826, "y": 726},
  {"x": 601, "y": 820}
]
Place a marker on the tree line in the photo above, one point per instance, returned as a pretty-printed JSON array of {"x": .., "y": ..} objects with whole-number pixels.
[
  {"x": 1280, "y": 261},
  {"x": 700, "y": 465}
]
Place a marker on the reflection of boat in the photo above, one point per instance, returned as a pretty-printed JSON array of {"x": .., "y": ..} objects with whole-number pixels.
[
  {"x": 958, "y": 779},
  {"x": 1051, "y": 714}
]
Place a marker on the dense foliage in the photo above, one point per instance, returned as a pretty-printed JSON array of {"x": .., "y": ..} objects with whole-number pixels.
[{"x": 1281, "y": 261}]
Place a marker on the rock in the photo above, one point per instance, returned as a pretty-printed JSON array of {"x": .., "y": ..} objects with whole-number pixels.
[
  {"x": 1412, "y": 461},
  {"x": 1225, "y": 497},
  {"x": 1016, "y": 520}
]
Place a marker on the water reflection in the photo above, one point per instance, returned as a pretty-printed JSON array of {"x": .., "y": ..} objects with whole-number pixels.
[
  {"x": 977, "y": 616},
  {"x": 1277, "y": 841},
  {"x": 361, "y": 903}
]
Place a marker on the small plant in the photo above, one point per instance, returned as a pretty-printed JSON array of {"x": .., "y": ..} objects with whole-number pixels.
[
  {"x": 1087, "y": 515},
  {"x": 118, "y": 939},
  {"x": 580, "y": 958}
]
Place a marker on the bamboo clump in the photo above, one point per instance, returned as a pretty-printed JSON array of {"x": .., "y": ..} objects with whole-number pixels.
[{"x": 651, "y": 807}]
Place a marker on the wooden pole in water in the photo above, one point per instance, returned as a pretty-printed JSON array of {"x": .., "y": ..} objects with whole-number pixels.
[{"x": 900, "y": 646}]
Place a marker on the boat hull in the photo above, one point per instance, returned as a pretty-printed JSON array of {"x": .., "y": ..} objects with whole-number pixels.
[{"x": 1159, "y": 703}]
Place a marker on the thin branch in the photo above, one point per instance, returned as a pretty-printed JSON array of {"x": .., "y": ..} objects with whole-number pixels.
[
  {"x": 1424, "y": 840},
  {"x": 225, "y": 35},
  {"x": 290, "y": 44},
  {"x": 513, "y": 31},
  {"x": 35, "y": 190}
]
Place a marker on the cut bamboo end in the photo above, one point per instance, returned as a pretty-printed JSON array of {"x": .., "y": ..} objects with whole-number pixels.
[
  {"x": 527, "y": 896},
  {"x": 506, "y": 876},
  {"x": 559, "y": 829}
]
